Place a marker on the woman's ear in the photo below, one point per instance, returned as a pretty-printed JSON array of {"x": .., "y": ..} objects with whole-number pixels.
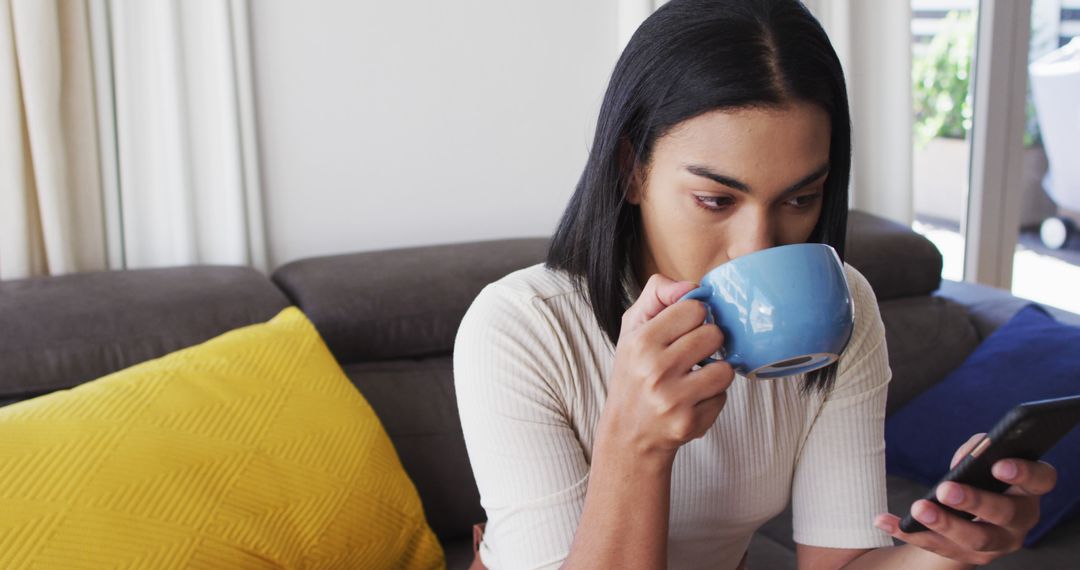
[{"x": 634, "y": 176}]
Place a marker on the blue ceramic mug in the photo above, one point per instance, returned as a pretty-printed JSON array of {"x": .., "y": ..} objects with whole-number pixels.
[{"x": 784, "y": 311}]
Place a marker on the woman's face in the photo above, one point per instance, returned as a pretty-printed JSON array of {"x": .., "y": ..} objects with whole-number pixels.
[{"x": 728, "y": 183}]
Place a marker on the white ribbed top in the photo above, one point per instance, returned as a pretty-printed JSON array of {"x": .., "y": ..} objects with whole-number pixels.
[{"x": 531, "y": 367}]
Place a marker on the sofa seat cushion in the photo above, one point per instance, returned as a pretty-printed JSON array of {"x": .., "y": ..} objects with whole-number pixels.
[
  {"x": 251, "y": 450},
  {"x": 764, "y": 552}
]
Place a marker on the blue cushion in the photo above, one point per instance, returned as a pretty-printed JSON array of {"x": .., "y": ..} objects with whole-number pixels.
[{"x": 1031, "y": 357}]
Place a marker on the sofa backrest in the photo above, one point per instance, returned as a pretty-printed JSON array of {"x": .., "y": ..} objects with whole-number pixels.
[
  {"x": 404, "y": 303},
  {"x": 389, "y": 317},
  {"x": 58, "y": 332}
]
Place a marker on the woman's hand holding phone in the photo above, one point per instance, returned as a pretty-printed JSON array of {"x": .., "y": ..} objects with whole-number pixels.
[
  {"x": 656, "y": 400},
  {"x": 1002, "y": 520}
]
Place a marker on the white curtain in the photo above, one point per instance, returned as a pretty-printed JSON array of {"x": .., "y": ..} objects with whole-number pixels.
[
  {"x": 50, "y": 195},
  {"x": 127, "y": 136},
  {"x": 188, "y": 176}
]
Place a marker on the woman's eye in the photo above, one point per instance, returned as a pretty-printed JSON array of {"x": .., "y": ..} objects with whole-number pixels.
[
  {"x": 714, "y": 202},
  {"x": 805, "y": 200}
]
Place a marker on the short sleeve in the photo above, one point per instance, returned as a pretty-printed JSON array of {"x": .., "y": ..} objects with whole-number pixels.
[
  {"x": 529, "y": 466},
  {"x": 839, "y": 482}
]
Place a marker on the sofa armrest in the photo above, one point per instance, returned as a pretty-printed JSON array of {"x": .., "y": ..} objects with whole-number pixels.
[
  {"x": 989, "y": 307},
  {"x": 895, "y": 260}
]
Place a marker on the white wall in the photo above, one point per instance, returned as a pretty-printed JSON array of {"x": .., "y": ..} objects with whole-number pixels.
[
  {"x": 389, "y": 124},
  {"x": 873, "y": 42}
]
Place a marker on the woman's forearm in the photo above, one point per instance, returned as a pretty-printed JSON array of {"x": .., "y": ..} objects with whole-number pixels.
[
  {"x": 624, "y": 523},
  {"x": 903, "y": 557}
]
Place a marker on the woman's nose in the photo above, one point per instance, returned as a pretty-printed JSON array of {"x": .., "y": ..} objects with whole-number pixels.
[{"x": 755, "y": 235}]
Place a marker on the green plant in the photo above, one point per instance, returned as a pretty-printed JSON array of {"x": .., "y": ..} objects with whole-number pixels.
[
  {"x": 941, "y": 84},
  {"x": 940, "y": 76}
]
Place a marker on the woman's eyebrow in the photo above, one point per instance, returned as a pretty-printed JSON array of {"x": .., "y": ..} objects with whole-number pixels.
[{"x": 706, "y": 172}]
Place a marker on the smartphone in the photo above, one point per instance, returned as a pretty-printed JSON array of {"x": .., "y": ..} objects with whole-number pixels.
[{"x": 1027, "y": 432}]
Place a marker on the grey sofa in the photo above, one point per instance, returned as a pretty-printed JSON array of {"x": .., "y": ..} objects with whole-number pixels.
[{"x": 390, "y": 318}]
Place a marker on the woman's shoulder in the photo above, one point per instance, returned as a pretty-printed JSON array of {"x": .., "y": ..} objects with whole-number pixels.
[
  {"x": 511, "y": 326},
  {"x": 863, "y": 299},
  {"x": 536, "y": 283},
  {"x": 518, "y": 300},
  {"x": 869, "y": 330}
]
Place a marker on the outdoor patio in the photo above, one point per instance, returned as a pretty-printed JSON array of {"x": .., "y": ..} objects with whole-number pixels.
[{"x": 1039, "y": 273}]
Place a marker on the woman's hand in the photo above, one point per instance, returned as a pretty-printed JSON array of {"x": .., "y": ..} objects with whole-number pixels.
[
  {"x": 1003, "y": 519},
  {"x": 656, "y": 402}
]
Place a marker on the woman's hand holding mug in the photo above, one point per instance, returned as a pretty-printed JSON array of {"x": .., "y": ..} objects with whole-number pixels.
[{"x": 656, "y": 400}]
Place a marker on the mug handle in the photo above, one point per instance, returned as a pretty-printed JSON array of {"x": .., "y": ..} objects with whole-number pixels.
[{"x": 702, "y": 294}]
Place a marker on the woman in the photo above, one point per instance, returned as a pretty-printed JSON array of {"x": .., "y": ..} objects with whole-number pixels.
[{"x": 595, "y": 440}]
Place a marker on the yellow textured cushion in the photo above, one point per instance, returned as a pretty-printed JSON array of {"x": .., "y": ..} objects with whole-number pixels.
[{"x": 251, "y": 450}]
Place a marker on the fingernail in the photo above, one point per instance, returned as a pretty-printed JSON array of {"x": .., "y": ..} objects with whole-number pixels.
[
  {"x": 927, "y": 516},
  {"x": 1006, "y": 470},
  {"x": 954, "y": 495},
  {"x": 883, "y": 526}
]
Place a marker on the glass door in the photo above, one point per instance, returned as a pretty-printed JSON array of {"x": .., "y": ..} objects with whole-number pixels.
[
  {"x": 1046, "y": 262},
  {"x": 942, "y": 49},
  {"x": 994, "y": 186}
]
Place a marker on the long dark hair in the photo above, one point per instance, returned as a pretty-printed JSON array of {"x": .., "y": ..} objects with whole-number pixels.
[{"x": 691, "y": 57}]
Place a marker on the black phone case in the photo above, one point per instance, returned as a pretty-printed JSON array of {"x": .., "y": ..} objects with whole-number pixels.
[{"x": 1027, "y": 432}]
